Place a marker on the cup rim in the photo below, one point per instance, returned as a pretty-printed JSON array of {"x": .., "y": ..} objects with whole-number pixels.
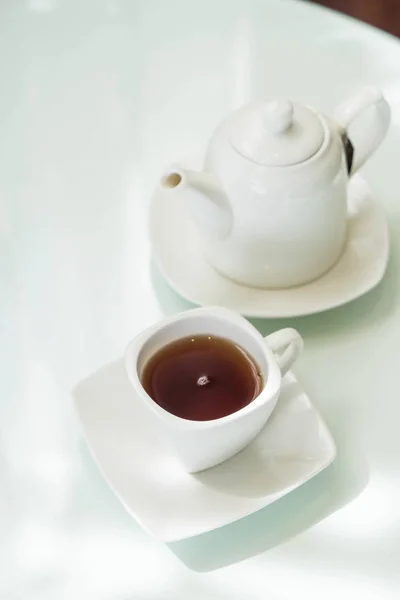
[{"x": 271, "y": 386}]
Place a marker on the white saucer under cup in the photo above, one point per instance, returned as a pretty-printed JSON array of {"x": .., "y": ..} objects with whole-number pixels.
[
  {"x": 362, "y": 265},
  {"x": 171, "y": 504}
]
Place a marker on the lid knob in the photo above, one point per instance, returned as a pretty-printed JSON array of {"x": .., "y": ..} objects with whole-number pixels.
[{"x": 278, "y": 116}]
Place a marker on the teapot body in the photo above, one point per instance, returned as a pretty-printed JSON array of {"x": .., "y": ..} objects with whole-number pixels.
[
  {"x": 289, "y": 223},
  {"x": 271, "y": 202}
]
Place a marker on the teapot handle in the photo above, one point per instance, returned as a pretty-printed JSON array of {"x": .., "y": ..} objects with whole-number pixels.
[{"x": 373, "y": 135}]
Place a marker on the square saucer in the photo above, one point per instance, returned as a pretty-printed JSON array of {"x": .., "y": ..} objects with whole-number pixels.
[{"x": 171, "y": 504}]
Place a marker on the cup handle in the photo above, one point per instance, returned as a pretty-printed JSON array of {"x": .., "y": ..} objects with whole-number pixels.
[
  {"x": 373, "y": 135},
  {"x": 286, "y": 344}
]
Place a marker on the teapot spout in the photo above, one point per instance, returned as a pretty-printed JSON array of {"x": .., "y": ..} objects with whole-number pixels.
[{"x": 207, "y": 202}]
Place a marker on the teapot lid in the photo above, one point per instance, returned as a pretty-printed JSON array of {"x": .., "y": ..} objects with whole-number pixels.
[{"x": 276, "y": 133}]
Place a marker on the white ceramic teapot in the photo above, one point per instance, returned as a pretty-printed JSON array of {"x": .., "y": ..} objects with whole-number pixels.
[{"x": 271, "y": 202}]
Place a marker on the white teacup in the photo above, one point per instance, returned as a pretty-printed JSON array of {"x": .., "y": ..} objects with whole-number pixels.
[{"x": 203, "y": 444}]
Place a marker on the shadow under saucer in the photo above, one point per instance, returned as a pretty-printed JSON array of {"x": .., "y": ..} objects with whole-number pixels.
[{"x": 286, "y": 518}]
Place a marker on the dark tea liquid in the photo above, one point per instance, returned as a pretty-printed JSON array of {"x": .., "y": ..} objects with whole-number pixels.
[{"x": 202, "y": 378}]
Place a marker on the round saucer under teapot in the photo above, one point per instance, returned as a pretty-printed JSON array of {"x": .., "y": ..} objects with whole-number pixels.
[{"x": 271, "y": 202}]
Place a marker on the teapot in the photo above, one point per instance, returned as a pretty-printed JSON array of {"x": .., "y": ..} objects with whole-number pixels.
[{"x": 271, "y": 203}]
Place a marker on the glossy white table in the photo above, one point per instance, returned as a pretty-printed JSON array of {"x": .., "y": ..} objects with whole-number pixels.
[{"x": 96, "y": 96}]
